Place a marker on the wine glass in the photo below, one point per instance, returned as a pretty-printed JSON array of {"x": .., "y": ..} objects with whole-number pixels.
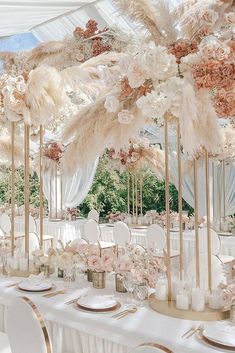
[
  {"x": 8, "y": 266},
  {"x": 129, "y": 284},
  {"x": 141, "y": 292},
  {"x": 69, "y": 275}
]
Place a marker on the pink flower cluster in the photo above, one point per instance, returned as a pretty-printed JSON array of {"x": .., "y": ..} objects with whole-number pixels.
[
  {"x": 181, "y": 48},
  {"x": 103, "y": 263},
  {"x": 213, "y": 74},
  {"x": 98, "y": 45},
  {"x": 53, "y": 151},
  {"x": 224, "y": 103}
]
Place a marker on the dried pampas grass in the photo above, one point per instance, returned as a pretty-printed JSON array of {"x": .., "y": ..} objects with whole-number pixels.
[
  {"x": 144, "y": 13},
  {"x": 92, "y": 131},
  {"x": 198, "y": 121},
  {"x": 155, "y": 159},
  {"x": 46, "y": 51},
  {"x": 44, "y": 95}
]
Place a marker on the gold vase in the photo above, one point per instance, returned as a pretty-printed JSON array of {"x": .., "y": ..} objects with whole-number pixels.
[
  {"x": 99, "y": 280},
  {"x": 119, "y": 283},
  {"x": 89, "y": 275}
]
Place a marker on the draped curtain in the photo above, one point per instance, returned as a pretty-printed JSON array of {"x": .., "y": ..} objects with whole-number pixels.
[
  {"x": 222, "y": 184},
  {"x": 74, "y": 188}
]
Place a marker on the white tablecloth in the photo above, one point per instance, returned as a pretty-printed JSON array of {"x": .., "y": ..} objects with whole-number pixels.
[
  {"x": 74, "y": 331},
  {"x": 61, "y": 230}
]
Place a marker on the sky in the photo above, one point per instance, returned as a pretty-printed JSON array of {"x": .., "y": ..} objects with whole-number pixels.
[{"x": 18, "y": 42}]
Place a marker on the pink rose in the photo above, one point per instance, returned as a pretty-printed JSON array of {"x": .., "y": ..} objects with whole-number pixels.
[{"x": 95, "y": 263}]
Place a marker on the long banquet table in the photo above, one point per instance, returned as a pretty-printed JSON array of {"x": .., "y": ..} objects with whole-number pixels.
[
  {"x": 74, "y": 331},
  {"x": 139, "y": 236},
  {"x": 60, "y": 230}
]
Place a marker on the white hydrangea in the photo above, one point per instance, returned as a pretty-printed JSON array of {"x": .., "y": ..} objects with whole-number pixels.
[
  {"x": 135, "y": 74},
  {"x": 156, "y": 62},
  {"x": 153, "y": 105},
  {"x": 111, "y": 104}
]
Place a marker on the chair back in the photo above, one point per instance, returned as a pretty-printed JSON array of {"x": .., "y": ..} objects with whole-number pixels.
[
  {"x": 93, "y": 214},
  {"x": 33, "y": 244},
  {"x": 32, "y": 225},
  {"x": 26, "y": 328},
  {"x": 91, "y": 231},
  {"x": 151, "y": 348},
  {"x": 5, "y": 223},
  {"x": 121, "y": 234},
  {"x": 156, "y": 238},
  {"x": 215, "y": 242}
]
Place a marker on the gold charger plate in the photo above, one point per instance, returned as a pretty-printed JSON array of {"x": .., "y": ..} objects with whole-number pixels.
[
  {"x": 36, "y": 291},
  {"x": 201, "y": 337},
  {"x": 83, "y": 308}
]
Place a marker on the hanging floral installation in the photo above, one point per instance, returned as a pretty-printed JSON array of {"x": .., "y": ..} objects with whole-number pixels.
[
  {"x": 184, "y": 71},
  {"x": 138, "y": 156}
]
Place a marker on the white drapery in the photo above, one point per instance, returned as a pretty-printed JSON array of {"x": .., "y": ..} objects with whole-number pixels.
[
  {"x": 74, "y": 188},
  {"x": 221, "y": 183},
  {"x": 217, "y": 183}
]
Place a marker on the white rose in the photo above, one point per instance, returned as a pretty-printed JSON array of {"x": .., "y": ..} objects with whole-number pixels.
[
  {"x": 124, "y": 117},
  {"x": 135, "y": 74},
  {"x": 111, "y": 104}
]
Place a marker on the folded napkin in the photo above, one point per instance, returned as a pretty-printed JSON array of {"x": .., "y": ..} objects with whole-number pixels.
[{"x": 36, "y": 279}]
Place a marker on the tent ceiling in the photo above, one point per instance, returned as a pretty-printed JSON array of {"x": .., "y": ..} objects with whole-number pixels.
[
  {"x": 18, "y": 16},
  {"x": 103, "y": 11},
  {"x": 53, "y": 19}
]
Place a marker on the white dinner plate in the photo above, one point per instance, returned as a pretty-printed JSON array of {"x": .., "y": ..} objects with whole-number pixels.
[
  {"x": 34, "y": 287},
  {"x": 220, "y": 332},
  {"x": 55, "y": 220},
  {"x": 97, "y": 302}
]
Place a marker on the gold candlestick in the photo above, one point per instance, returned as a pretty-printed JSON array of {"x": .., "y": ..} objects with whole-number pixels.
[
  {"x": 167, "y": 197},
  {"x": 208, "y": 221},
  {"x": 180, "y": 202},
  {"x": 12, "y": 188},
  {"x": 41, "y": 186},
  {"x": 197, "y": 240},
  {"x": 27, "y": 186}
]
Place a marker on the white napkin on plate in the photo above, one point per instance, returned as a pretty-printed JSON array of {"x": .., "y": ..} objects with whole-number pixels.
[{"x": 35, "y": 279}]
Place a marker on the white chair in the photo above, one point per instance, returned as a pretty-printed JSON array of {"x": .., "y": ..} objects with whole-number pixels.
[
  {"x": 4, "y": 343},
  {"x": 93, "y": 214},
  {"x": 151, "y": 348},
  {"x": 34, "y": 229},
  {"x": 91, "y": 231},
  {"x": 121, "y": 234},
  {"x": 156, "y": 238},
  {"x": 26, "y": 328},
  {"x": 5, "y": 224},
  {"x": 215, "y": 241}
]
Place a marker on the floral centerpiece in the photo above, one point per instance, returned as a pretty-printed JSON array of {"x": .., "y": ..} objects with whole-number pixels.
[
  {"x": 73, "y": 213},
  {"x": 115, "y": 217}
]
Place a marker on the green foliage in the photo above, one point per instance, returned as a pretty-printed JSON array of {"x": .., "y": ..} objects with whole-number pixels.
[{"x": 108, "y": 191}]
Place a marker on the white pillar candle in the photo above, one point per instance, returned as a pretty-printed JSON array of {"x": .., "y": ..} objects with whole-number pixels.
[
  {"x": 215, "y": 300},
  {"x": 177, "y": 287},
  {"x": 198, "y": 299},
  {"x": 15, "y": 264},
  {"x": 23, "y": 263},
  {"x": 161, "y": 291},
  {"x": 182, "y": 301}
]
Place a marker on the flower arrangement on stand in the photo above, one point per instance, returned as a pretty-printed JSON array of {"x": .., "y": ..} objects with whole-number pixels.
[{"x": 73, "y": 213}]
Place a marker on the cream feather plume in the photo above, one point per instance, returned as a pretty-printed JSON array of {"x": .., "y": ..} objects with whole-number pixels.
[
  {"x": 5, "y": 151},
  {"x": 144, "y": 13},
  {"x": 165, "y": 21},
  {"x": 44, "y": 94}
]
